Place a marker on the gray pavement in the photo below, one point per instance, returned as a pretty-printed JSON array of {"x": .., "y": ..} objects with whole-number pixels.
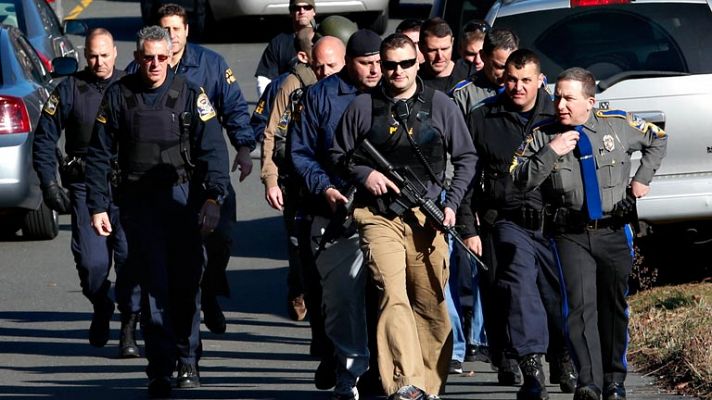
[{"x": 44, "y": 351}]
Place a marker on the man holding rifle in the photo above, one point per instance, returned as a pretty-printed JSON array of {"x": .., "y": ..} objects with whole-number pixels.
[{"x": 413, "y": 128}]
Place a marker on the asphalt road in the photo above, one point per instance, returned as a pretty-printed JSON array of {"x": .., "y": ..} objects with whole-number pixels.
[{"x": 44, "y": 317}]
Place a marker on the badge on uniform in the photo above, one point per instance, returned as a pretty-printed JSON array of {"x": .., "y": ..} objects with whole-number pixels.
[
  {"x": 229, "y": 77},
  {"x": 101, "y": 115},
  {"x": 394, "y": 127},
  {"x": 205, "y": 109},
  {"x": 608, "y": 143},
  {"x": 51, "y": 106}
]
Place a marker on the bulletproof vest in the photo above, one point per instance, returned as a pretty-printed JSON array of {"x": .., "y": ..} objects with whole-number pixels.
[
  {"x": 388, "y": 135},
  {"x": 79, "y": 125},
  {"x": 155, "y": 148}
]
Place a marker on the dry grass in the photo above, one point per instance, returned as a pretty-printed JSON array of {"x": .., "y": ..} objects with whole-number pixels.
[{"x": 671, "y": 336}]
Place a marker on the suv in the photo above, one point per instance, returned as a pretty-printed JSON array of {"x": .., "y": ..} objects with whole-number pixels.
[{"x": 652, "y": 58}]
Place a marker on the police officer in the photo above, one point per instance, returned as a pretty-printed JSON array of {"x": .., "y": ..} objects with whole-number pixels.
[
  {"x": 173, "y": 179},
  {"x": 407, "y": 256},
  {"x": 581, "y": 161},
  {"x": 280, "y": 50},
  {"x": 470, "y": 45},
  {"x": 73, "y": 107},
  {"x": 438, "y": 70},
  {"x": 499, "y": 43},
  {"x": 512, "y": 220},
  {"x": 340, "y": 266},
  {"x": 208, "y": 69}
]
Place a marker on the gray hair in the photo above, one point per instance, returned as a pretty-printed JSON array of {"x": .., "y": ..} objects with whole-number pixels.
[{"x": 152, "y": 33}]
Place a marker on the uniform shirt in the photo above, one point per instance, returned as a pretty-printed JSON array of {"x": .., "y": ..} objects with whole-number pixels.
[
  {"x": 469, "y": 93},
  {"x": 209, "y": 70},
  {"x": 270, "y": 172},
  {"x": 312, "y": 137},
  {"x": 208, "y": 146},
  {"x": 614, "y": 136},
  {"x": 260, "y": 115},
  {"x": 446, "y": 119},
  {"x": 275, "y": 59},
  {"x": 497, "y": 131},
  {"x": 444, "y": 83},
  {"x": 54, "y": 116}
]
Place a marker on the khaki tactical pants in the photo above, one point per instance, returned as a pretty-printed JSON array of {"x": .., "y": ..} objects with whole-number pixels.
[{"x": 409, "y": 262}]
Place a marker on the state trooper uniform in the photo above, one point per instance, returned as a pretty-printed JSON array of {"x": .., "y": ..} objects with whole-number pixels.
[
  {"x": 72, "y": 107},
  {"x": 470, "y": 92},
  {"x": 526, "y": 279},
  {"x": 172, "y": 158},
  {"x": 408, "y": 258},
  {"x": 595, "y": 254},
  {"x": 208, "y": 69}
]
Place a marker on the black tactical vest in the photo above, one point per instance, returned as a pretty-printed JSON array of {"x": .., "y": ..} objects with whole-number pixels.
[
  {"x": 154, "y": 148},
  {"x": 87, "y": 99},
  {"x": 389, "y": 136}
]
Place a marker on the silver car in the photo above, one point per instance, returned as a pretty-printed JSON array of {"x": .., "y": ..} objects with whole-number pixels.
[
  {"x": 369, "y": 13},
  {"x": 24, "y": 87},
  {"x": 652, "y": 58}
]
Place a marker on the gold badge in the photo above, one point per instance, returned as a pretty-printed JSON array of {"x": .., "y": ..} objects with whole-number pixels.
[
  {"x": 205, "y": 109},
  {"x": 101, "y": 115},
  {"x": 609, "y": 143},
  {"x": 229, "y": 77},
  {"x": 51, "y": 106}
]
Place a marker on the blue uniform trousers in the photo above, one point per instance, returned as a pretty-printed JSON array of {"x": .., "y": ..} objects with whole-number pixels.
[
  {"x": 522, "y": 257},
  {"x": 93, "y": 255},
  {"x": 166, "y": 246},
  {"x": 596, "y": 265}
]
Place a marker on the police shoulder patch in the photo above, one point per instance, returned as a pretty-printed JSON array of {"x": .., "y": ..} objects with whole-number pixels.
[
  {"x": 51, "y": 106},
  {"x": 229, "y": 77},
  {"x": 260, "y": 107},
  {"x": 205, "y": 109}
]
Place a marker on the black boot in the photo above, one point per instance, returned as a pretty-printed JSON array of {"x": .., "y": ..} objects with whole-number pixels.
[
  {"x": 562, "y": 371},
  {"x": 534, "y": 385},
  {"x": 99, "y": 329},
  {"x": 127, "y": 343},
  {"x": 212, "y": 314},
  {"x": 508, "y": 372}
]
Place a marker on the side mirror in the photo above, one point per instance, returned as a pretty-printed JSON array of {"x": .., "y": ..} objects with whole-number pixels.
[
  {"x": 74, "y": 27},
  {"x": 63, "y": 66}
]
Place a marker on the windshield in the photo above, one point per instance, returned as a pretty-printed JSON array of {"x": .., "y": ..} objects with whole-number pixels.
[{"x": 609, "y": 40}]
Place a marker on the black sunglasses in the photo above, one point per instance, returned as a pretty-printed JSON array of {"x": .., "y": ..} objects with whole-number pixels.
[
  {"x": 392, "y": 65},
  {"x": 476, "y": 26},
  {"x": 300, "y": 8}
]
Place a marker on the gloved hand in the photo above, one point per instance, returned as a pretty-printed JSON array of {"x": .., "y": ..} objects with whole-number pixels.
[
  {"x": 625, "y": 207},
  {"x": 56, "y": 198}
]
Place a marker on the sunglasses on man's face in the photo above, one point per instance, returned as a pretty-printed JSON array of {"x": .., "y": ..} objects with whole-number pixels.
[
  {"x": 301, "y": 8},
  {"x": 392, "y": 65},
  {"x": 147, "y": 59}
]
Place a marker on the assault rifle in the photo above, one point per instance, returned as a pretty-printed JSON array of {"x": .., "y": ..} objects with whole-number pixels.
[{"x": 413, "y": 191}]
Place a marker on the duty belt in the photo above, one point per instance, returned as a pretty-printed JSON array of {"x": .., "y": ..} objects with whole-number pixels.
[
  {"x": 527, "y": 218},
  {"x": 564, "y": 220}
]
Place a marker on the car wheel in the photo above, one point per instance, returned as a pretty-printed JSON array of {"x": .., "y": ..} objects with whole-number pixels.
[
  {"x": 147, "y": 10},
  {"x": 41, "y": 224},
  {"x": 380, "y": 23},
  {"x": 393, "y": 6}
]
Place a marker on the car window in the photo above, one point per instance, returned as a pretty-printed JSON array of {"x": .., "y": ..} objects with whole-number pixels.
[
  {"x": 8, "y": 14},
  {"x": 49, "y": 18},
  {"x": 30, "y": 62},
  {"x": 613, "y": 39}
]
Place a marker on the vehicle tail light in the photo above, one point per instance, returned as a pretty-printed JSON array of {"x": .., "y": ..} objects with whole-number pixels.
[
  {"x": 45, "y": 61},
  {"x": 13, "y": 115},
  {"x": 593, "y": 3}
]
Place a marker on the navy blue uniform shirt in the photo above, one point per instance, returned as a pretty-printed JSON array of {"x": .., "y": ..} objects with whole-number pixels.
[
  {"x": 208, "y": 152},
  {"x": 209, "y": 70},
  {"x": 52, "y": 120},
  {"x": 313, "y": 133}
]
